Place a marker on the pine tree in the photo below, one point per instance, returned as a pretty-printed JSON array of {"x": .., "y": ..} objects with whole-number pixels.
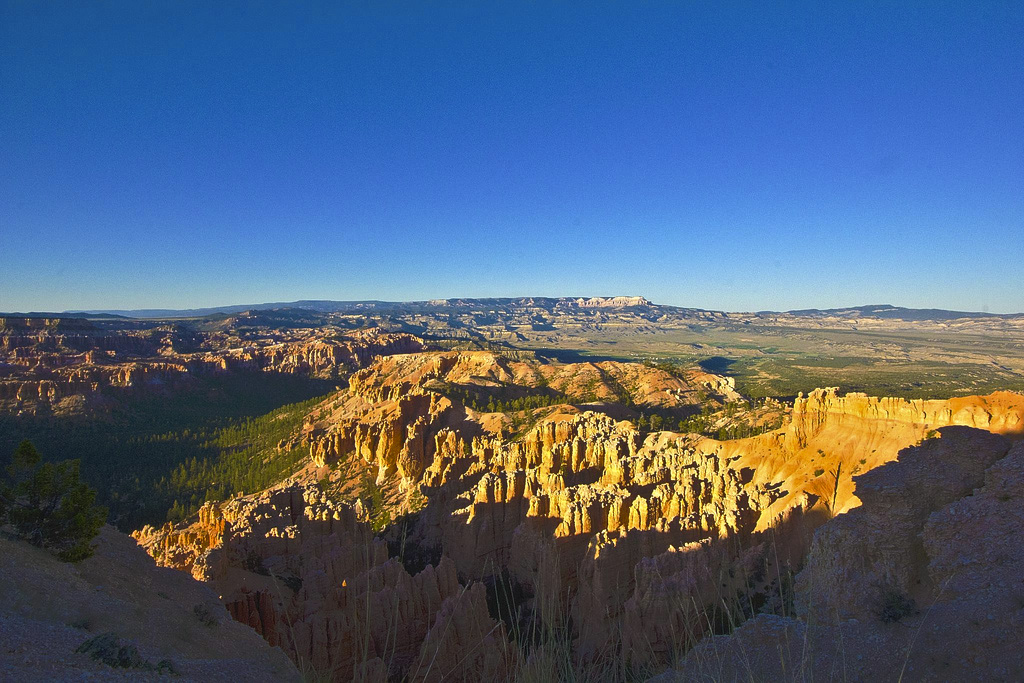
[
  {"x": 49, "y": 506},
  {"x": 176, "y": 513}
]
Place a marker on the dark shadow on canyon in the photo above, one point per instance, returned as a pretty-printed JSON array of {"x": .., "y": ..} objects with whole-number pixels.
[{"x": 595, "y": 593}]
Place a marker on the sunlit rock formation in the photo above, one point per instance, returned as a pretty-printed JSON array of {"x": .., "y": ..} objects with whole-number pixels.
[{"x": 628, "y": 539}]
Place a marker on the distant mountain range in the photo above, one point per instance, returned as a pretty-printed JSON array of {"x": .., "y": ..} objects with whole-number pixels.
[
  {"x": 882, "y": 311},
  {"x": 890, "y": 312},
  {"x": 432, "y": 305}
]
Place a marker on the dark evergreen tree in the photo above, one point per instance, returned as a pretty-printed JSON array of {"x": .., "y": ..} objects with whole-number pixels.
[{"x": 49, "y": 506}]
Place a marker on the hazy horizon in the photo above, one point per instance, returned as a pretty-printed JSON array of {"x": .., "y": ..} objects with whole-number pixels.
[{"x": 745, "y": 157}]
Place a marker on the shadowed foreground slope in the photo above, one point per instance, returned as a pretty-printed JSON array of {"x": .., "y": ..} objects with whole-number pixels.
[{"x": 49, "y": 609}]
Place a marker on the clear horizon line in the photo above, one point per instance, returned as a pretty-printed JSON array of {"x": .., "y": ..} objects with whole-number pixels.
[{"x": 296, "y": 304}]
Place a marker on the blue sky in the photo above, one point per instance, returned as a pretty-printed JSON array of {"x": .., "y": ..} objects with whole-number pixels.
[{"x": 755, "y": 156}]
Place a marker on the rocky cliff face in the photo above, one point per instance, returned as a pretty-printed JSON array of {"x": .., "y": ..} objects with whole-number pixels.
[
  {"x": 612, "y": 302},
  {"x": 42, "y": 365},
  {"x": 852, "y": 434},
  {"x": 994, "y": 413},
  {"x": 628, "y": 540},
  {"x": 316, "y": 356}
]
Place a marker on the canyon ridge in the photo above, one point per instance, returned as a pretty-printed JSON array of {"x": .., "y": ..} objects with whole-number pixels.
[{"x": 544, "y": 489}]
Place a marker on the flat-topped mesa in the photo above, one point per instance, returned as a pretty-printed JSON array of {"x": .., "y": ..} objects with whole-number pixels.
[
  {"x": 52, "y": 348},
  {"x": 91, "y": 378},
  {"x": 612, "y": 302},
  {"x": 18, "y": 323}
]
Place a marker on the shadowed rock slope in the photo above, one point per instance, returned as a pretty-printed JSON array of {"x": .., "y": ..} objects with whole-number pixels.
[{"x": 921, "y": 582}]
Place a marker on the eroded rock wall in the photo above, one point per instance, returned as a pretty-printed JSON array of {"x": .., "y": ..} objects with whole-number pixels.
[
  {"x": 40, "y": 368},
  {"x": 308, "y": 574}
]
